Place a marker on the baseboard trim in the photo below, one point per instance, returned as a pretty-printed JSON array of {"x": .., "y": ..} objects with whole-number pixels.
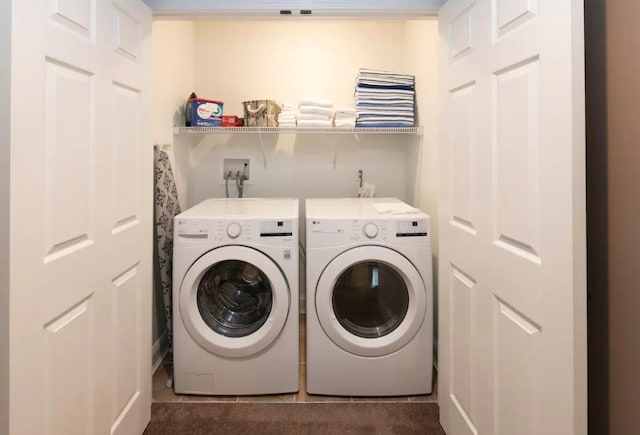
[{"x": 159, "y": 350}]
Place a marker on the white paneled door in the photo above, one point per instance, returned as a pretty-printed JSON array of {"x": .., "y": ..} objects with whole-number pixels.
[
  {"x": 81, "y": 217},
  {"x": 512, "y": 344}
]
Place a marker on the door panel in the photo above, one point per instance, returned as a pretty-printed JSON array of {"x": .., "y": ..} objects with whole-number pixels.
[
  {"x": 81, "y": 186},
  {"x": 508, "y": 15},
  {"x": 69, "y": 389},
  {"x": 127, "y": 113},
  {"x": 513, "y": 299},
  {"x": 516, "y": 199},
  {"x": 462, "y": 161},
  {"x": 78, "y": 16}
]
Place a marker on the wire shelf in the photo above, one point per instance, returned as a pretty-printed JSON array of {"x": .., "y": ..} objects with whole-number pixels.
[{"x": 298, "y": 130}]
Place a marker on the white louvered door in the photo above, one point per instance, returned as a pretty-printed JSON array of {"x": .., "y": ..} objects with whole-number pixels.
[
  {"x": 81, "y": 217},
  {"x": 512, "y": 285}
]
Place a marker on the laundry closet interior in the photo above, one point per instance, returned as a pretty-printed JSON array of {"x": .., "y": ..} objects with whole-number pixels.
[
  {"x": 287, "y": 58},
  {"x": 496, "y": 158}
]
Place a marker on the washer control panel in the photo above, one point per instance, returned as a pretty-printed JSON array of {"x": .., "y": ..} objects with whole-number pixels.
[
  {"x": 276, "y": 228},
  {"x": 234, "y": 229},
  {"x": 369, "y": 230},
  {"x": 192, "y": 228},
  {"x": 268, "y": 231}
]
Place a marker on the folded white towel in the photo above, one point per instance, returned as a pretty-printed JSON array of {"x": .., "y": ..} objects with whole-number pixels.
[
  {"x": 314, "y": 123},
  {"x": 346, "y": 115},
  {"x": 310, "y": 101},
  {"x": 287, "y": 116},
  {"x": 394, "y": 208},
  {"x": 316, "y": 109},
  {"x": 345, "y": 122},
  {"x": 313, "y": 117},
  {"x": 345, "y": 111}
]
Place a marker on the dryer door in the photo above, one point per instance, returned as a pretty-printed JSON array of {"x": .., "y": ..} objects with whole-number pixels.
[
  {"x": 234, "y": 301},
  {"x": 371, "y": 301}
]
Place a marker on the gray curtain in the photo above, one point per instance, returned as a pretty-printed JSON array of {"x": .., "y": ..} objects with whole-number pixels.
[{"x": 166, "y": 207}]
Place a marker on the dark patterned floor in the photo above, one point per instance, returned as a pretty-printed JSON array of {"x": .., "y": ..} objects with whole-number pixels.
[
  {"x": 162, "y": 393},
  {"x": 296, "y": 413}
]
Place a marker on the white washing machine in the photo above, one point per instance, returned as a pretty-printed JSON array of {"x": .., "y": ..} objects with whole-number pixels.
[
  {"x": 369, "y": 298},
  {"x": 235, "y": 298}
]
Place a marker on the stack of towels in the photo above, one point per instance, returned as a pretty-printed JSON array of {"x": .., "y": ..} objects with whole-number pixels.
[
  {"x": 287, "y": 117},
  {"x": 315, "y": 112},
  {"x": 345, "y": 117},
  {"x": 384, "y": 99}
]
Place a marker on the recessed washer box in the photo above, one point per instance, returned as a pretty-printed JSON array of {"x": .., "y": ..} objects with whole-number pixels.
[{"x": 235, "y": 164}]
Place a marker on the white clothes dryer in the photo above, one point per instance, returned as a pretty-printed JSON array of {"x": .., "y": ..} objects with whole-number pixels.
[
  {"x": 235, "y": 299},
  {"x": 369, "y": 298}
]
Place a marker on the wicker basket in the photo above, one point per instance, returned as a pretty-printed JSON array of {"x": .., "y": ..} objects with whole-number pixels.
[{"x": 261, "y": 113}]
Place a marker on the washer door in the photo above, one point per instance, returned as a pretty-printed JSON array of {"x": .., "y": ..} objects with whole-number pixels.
[
  {"x": 370, "y": 301},
  {"x": 234, "y": 301}
]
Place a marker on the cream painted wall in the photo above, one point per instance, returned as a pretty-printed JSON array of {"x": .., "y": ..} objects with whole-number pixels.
[
  {"x": 173, "y": 75},
  {"x": 287, "y": 60},
  {"x": 422, "y": 54},
  {"x": 238, "y": 60},
  {"x": 5, "y": 110}
]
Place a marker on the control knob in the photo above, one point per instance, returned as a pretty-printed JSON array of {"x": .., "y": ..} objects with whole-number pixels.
[
  {"x": 233, "y": 230},
  {"x": 370, "y": 230}
]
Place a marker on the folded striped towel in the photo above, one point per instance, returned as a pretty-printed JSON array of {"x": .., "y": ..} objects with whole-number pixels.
[
  {"x": 376, "y": 90},
  {"x": 385, "y": 124}
]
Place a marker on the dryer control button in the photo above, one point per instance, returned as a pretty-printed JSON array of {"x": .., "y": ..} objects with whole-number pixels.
[
  {"x": 370, "y": 230},
  {"x": 233, "y": 230}
]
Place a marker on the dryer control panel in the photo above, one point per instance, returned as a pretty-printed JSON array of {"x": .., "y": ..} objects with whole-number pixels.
[
  {"x": 412, "y": 228},
  {"x": 335, "y": 232}
]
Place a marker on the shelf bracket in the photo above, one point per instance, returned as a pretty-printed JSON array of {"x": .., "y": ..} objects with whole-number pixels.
[
  {"x": 335, "y": 152},
  {"x": 264, "y": 155}
]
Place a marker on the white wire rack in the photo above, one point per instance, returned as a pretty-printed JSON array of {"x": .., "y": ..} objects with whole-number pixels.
[
  {"x": 298, "y": 130},
  {"x": 260, "y": 131}
]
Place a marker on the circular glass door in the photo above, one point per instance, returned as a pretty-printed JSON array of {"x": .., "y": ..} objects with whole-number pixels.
[
  {"x": 234, "y": 301},
  {"x": 370, "y": 301},
  {"x": 234, "y": 298}
]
